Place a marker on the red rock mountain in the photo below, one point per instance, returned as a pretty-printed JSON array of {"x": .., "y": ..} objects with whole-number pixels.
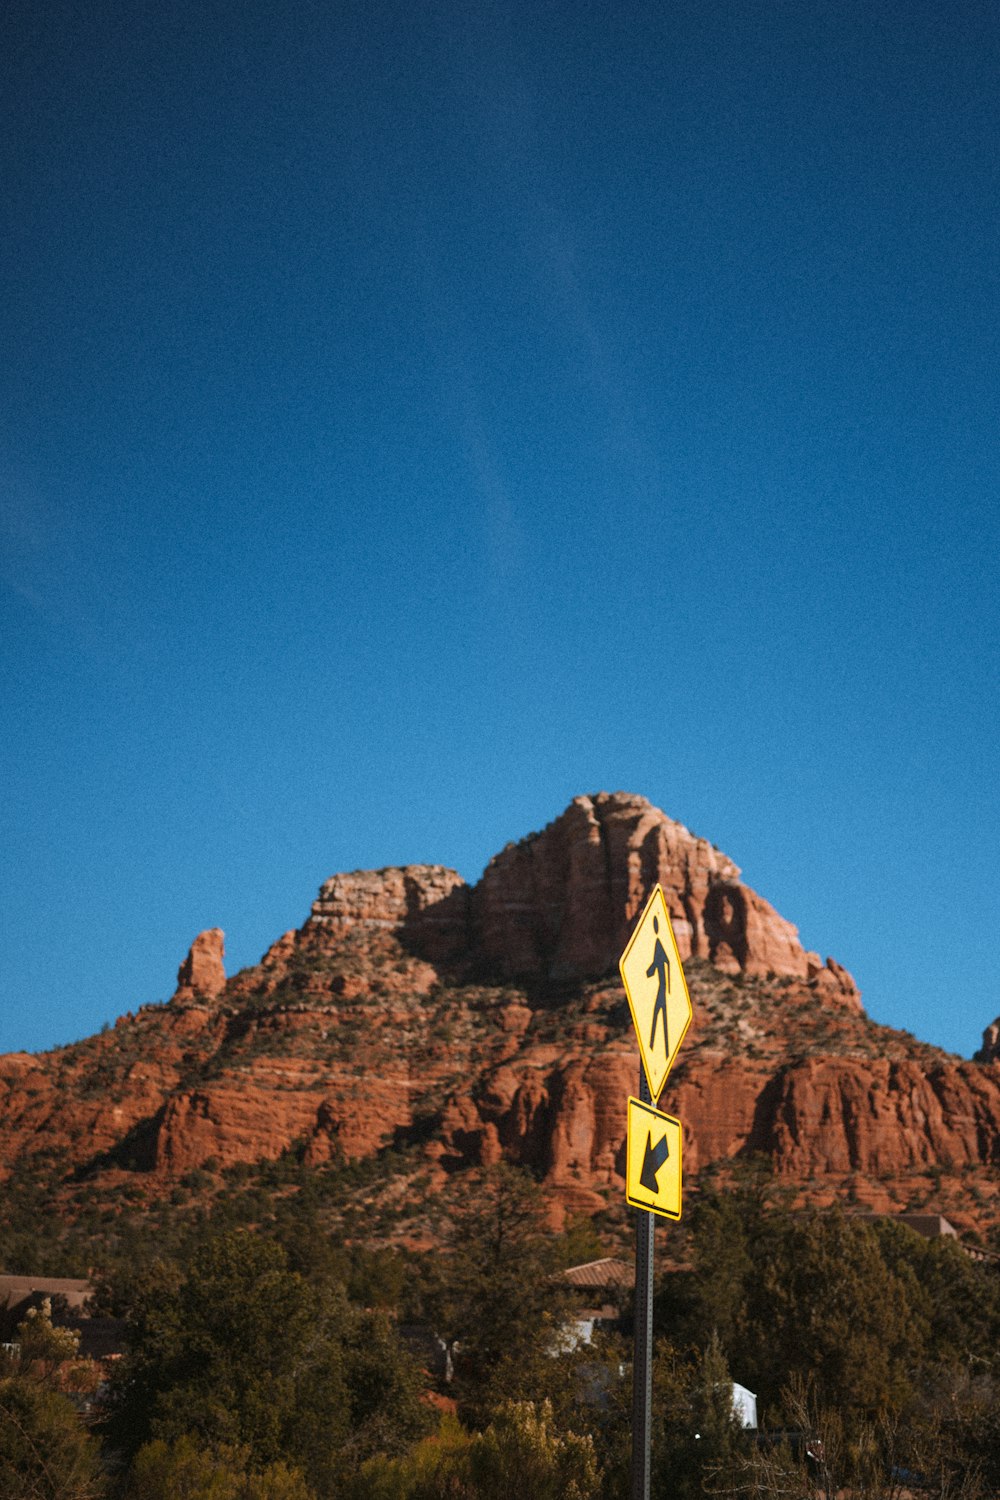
[{"x": 441, "y": 1027}]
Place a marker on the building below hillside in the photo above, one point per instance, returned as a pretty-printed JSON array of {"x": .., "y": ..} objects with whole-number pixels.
[
  {"x": 934, "y": 1227},
  {"x": 69, "y": 1299}
]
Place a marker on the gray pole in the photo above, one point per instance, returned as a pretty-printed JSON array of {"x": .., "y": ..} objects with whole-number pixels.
[{"x": 642, "y": 1359}]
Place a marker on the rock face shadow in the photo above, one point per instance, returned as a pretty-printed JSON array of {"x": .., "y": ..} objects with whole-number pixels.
[
  {"x": 135, "y": 1152},
  {"x": 725, "y": 924},
  {"x": 436, "y": 927},
  {"x": 760, "y": 1140}
]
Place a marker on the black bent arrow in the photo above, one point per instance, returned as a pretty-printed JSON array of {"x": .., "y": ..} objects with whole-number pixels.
[{"x": 652, "y": 1162}]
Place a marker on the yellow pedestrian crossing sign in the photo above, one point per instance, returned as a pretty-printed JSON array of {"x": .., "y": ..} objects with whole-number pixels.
[
  {"x": 653, "y": 1163},
  {"x": 657, "y": 991}
]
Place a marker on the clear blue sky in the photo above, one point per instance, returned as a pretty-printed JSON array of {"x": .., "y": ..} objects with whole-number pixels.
[{"x": 414, "y": 416}]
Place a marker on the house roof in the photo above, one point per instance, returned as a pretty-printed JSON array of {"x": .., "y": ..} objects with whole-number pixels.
[
  {"x": 600, "y": 1274},
  {"x": 17, "y": 1289},
  {"x": 931, "y": 1226}
]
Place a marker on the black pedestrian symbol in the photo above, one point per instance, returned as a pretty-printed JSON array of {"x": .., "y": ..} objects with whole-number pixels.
[{"x": 661, "y": 968}]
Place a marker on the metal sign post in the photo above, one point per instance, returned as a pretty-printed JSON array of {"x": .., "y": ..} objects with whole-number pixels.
[{"x": 642, "y": 1359}]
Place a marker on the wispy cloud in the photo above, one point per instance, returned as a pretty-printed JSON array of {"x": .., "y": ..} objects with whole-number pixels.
[{"x": 38, "y": 561}]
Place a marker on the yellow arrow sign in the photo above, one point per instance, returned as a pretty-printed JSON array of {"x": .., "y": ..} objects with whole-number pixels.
[
  {"x": 657, "y": 990},
  {"x": 653, "y": 1164}
]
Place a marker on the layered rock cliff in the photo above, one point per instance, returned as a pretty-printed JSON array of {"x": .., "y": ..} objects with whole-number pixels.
[
  {"x": 563, "y": 902},
  {"x": 439, "y": 1027},
  {"x": 560, "y": 904}
]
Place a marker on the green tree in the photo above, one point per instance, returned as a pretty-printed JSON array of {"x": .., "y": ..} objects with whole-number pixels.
[
  {"x": 436, "y": 1468},
  {"x": 522, "y": 1453},
  {"x": 45, "y": 1451},
  {"x": 823, "y": 1304},
  {"x": 893, "y": 1337},
  {"x": 243, "y": 1353},
  {"x": 579, "y": 1241},
  {"x": 695, "y": 1429},
  {"x": 221, "y": 1353},
  {"x": 184, "y": 1470},
  {"x": 806, "y": 1294},
  {"x": 493, "y": 1296},
  {"x": 713, "y": 1296},
  {"x": 957, "y": 1300}
]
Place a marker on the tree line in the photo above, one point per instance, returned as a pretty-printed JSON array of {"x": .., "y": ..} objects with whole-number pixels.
[{"x": 272, "y": 1364}]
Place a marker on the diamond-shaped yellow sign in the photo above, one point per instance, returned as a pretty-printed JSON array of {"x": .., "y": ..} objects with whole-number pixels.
[
  {"x": 657, "y": 991},
  {"x": 653, "y": 1162}
]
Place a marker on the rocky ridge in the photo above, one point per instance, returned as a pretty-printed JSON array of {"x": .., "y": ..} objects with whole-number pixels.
[{"x": 437, "y": 1027}]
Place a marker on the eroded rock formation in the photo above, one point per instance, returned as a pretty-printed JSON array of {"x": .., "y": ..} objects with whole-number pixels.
[
  {"x": 203, "y": 972},
  {"x": 461, "y": 1024},
  {"x": 990, "y": 1050},
  {"x": 563, "y": 902}
]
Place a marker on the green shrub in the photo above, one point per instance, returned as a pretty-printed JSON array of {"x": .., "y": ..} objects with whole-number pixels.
[
  {"x": 186, "y": 1470},
  {"x": 45, "y": 1451}
]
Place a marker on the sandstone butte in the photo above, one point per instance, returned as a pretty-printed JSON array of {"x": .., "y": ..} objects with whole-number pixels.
[{"x": 413, "y": 1016}]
